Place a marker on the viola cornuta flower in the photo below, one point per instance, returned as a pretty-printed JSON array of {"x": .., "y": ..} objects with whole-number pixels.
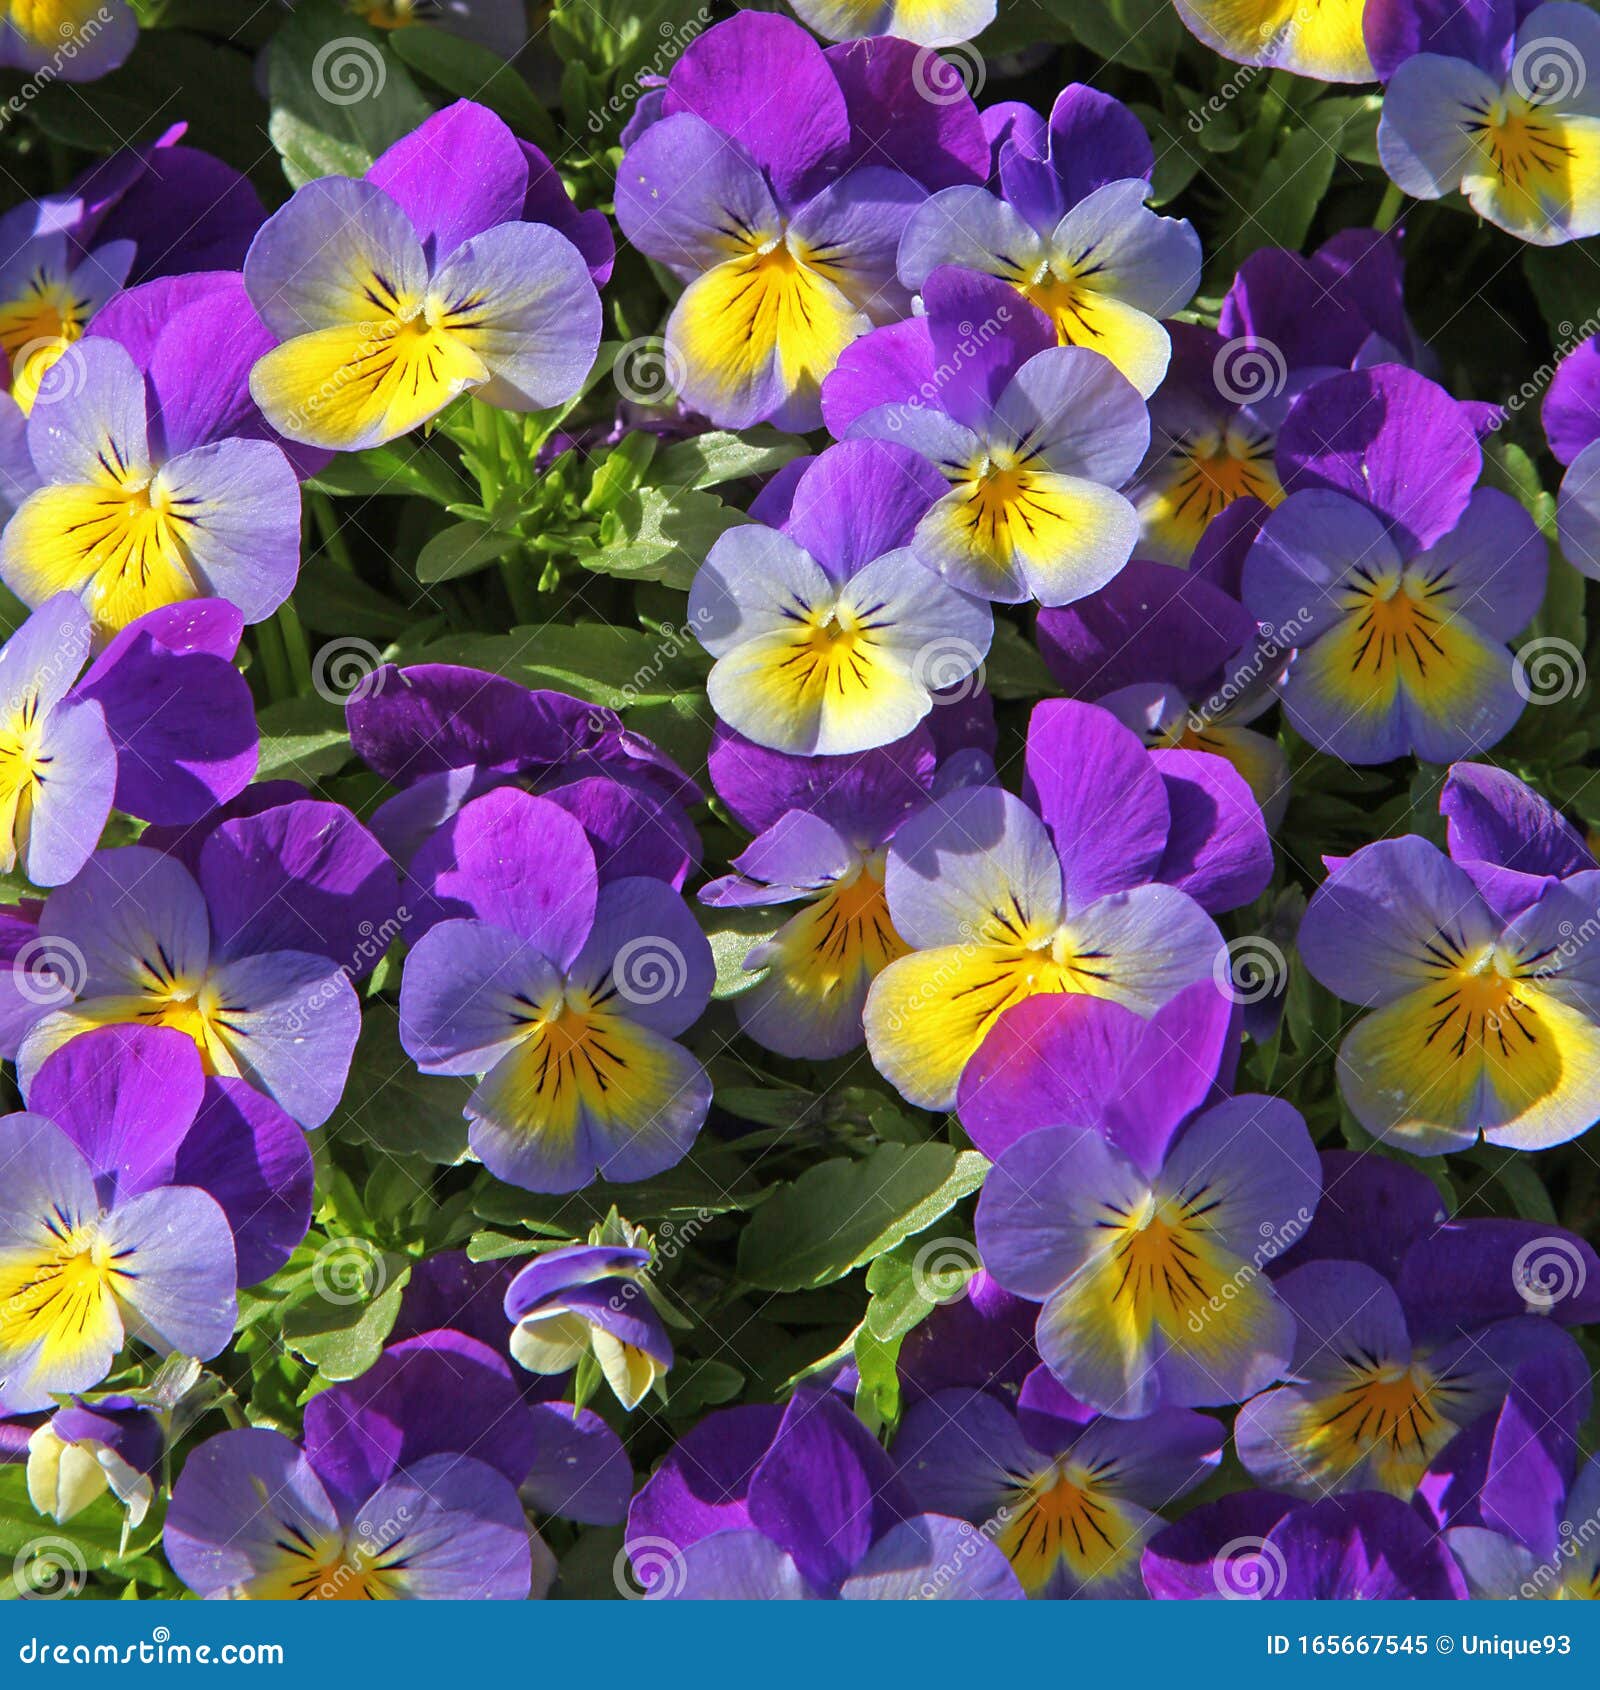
[
  {"x": 1497, "y": 103},
  {"x": 928, "y": 23},
  {"x": 590, "y": 1299},
  {"x": 1070, "y": 231},
  {"x": 998, "y": 902},
  {"x": 1325, "y": 40},
  {"x": 830, "y": 635},
  {"x": 74, "y": 40},
  {"x": 782, "y": 215},
  {"x": 1571, "y": 417},
  {"x": 424, "y": 280},
  {"x": 1398, "y": 581},
  {"x": 565, "y": 996},
  {"x": 1070, "y": 1497},
  {"x": 1033, "y": 439}
]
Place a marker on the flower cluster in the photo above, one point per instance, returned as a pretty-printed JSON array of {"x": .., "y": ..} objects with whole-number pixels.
[{"x": 834, "y": 832}]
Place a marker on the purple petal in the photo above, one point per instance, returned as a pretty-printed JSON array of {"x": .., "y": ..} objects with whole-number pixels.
[
  {"x": 1092, "y": 139},
  {"x": 1215, "y": 1553},
  {"x": 1470, "y": 1272},
  {"x": 1388, "y": 437},
  {"x": 581, "y": 1470},
  {"x": 548, "y": 202},
  {"x": 933, "y": 1559},
  {"x": 703, "y": 1483},
  {"x": 175, "y": 1248},
  {"x": 1373, "y": 1210},
  {"x": 126, "y": 1096},
  {"x": 1218, "y": 849},
  {"x": 1571, "y": 409},
  {"x": 938, "y": 141},
  {"x": 482, "y": 863},
  {"x": 454, "y": 176},
  {"x": 1492, "y": 817},
  {"x": 251, "y": 1156},
  {"x": 1101, "y": 796},
  {"x": 982, "y": 335},
  {"x": 69, "y": 810},
  {"x": 727, "y": 76},
  {"x": 859, "y": 500},
  {"x": 1368, "y": 1548},
  {"x": 888, "y": 366}
]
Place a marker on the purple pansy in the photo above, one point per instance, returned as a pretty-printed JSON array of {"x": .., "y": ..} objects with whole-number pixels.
[
  {"x": 590, "y": 1299},
  {"x": 799, "y": 1507},
  {"x": 1397, "y": 581},
  {"x": 829, "y": 635},
  {"x": 251, "y": 955},
  {"x": 564, "y": 995},
  {"x": 1069, "y": 1496},
  {"x": 1571, "y": 416},
  {"x": 1100, "y": 888},
  {"x": 783, "y": 216},
  {"x": 405, "y": 1488},
  {"x": 1070, "y": 231},
  {"x": 444, "y": 735},
  {"x": 427, "y": 278},
  {"x": 161, "y": 725},
  {"x": 1034, "y": 440}
]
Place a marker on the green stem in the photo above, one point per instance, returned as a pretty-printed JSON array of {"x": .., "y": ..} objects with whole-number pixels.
[
  {"x": 297, "y": 652},
  {"x": 326, "y": 521},
  {"x": 274, "y": 659},
  {"x": 1389, "y": 208}
]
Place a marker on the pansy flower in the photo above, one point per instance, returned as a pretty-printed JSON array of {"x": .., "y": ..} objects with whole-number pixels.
[
  {"x": 251, "y": 956},
  {"x": 1484, "y": 1018},
  {"x": 830, "y": 635},
  {"x": 999, "y": 902},
  {"x": 1034, "y": 440},
  {"x": 49, "y": 293},
  {"x": 1180, "y": 662},
  {"x": 782, "y": 214},
  {"x": 1372, "y": 1402},
  {"x": 1069, "y": 1496},
  {"x": 928, "y": 23},
  {"x": 588, "y": 1299},
  {"x": 114, "y": 1222},
  {"x": 161, "y": 724},
  {"x": 1070, "y": 231},
  {"x": 75, "y": 40},
  {"x": 425, "y": 279},
  {"x": 1324, "y": 41},
  {"x": 1399, "y": 581},
  {"x": 1571, "y": 417},
  {"x": 155, "y": 483},
  {"x": 565, "y": 996},
  {"x": 444, "y": 735},
  {"x": 405, "y": 1488},
  {"x": 88, "y": 1448},
  {"x": 1511, "y": 841},
  {"x": 1287, "y": 322},
  {"x": 1262, "y": 1546},
  {"x": 802, "y": 1507},
  {"x": 824, "y": 852},
  {"x": 1498, "y": 103},
  {"x": 1146, "y": 1233},
  {"x": 1535, "y": 1539}
]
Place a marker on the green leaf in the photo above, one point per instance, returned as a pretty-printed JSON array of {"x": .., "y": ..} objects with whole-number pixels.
[
  {"x": 387, "y": 1103},
  {"x": 1014, "y": 668},
  {"x": 341, "y": 1326},
  {"x": 472, "y": 72},
  {"x": 462, "y": 549},
  {"x": 338, "y": 97},
  {"x": 403, "y": 466},
  {"x": 594, "y": 661},
  {"x": 301, "y": 739},
  {"x": 708, "y": 460},
  {"x": 842, "y": 1213},
  {"x": 655, "y": 535}
]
